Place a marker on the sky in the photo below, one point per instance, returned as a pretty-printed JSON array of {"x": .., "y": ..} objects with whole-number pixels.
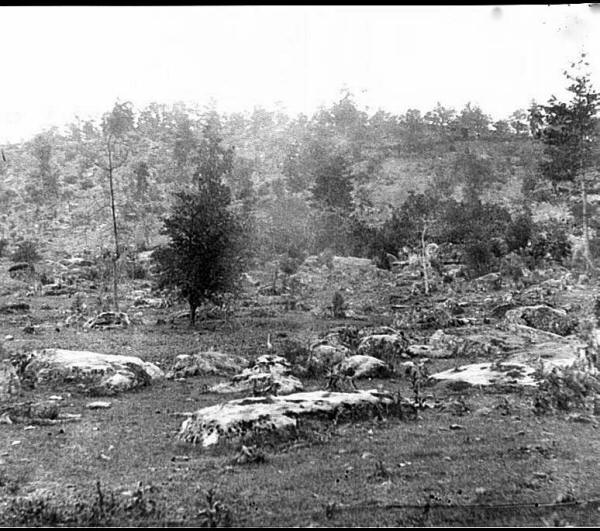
[{"x": 58, "y": 62}]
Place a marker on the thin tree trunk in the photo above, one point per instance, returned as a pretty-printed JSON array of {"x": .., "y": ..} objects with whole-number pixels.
[
  {"x": 586, "y": 235},
  {"x": 115, "y": 231},
  {"x": 424, "y": 260}
]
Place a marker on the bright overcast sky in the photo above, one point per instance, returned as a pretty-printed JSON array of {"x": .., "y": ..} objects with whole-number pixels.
[{"x": 61, "y": 61}]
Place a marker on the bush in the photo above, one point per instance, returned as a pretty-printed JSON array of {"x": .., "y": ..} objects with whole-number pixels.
[
  {"x": 26, "y": 251},
  {"x": 564, "y": 390},
  {"x": 3, "y": 245},
  {"x": 479, "y": 258},
  {"x": 549, "y": 241},
  {"x": 519, "y": 232},
  {"x": 338, "y": 305}
]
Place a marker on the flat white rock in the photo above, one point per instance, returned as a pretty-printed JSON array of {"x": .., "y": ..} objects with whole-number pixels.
[{"x": 273, "y": 414}]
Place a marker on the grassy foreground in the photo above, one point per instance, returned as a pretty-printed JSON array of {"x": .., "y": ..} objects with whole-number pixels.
[{"x": 481, "y": 458}]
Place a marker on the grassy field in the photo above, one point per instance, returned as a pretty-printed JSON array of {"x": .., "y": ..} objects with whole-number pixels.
[{"x": 478, "y": 458}]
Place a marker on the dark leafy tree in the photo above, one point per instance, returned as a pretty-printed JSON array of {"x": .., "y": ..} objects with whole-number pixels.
[
  {"x": 205, "y": 255},
  {"x": 333, "y": 185}
]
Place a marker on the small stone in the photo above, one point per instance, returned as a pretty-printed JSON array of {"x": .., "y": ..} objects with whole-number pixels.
[
  {"x": 456, "y": 427},
  {"x": 367, "y": 455},
  {"x": 98, "y": 405},
  {"x": 15, "y": 443},
  {"x": 8, "y": 338}
]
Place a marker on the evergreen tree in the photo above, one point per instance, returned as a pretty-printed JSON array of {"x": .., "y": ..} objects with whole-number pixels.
[{"x": 204, "y": 257}]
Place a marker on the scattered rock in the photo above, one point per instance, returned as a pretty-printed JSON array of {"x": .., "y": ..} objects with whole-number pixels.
[
  {"x": 209, "y": 362},
  {"x": 276, "y": 415},
  {"x": 269, "y": 375},
  {"x": 543, "y": 318},
  {"x": 98, "y": 405},
  {"x": 88, "y": 371},
  {"x": 108, "y": 320},
  {"x": 57, "y": 289}
]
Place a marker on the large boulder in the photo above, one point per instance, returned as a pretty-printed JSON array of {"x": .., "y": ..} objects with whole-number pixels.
[
  {"x": 323, "y": 356},
  {"x": 476, "y": 343},
  {"x": 387, "y": 347},
  {"x": 491, "y": 281},
  {"x": 88, "y": 371},
  {"x": 543, "y": 318},
  {"x": 278, "y": 416},
  {"x": 359, "y": 366},
  {"x": 206, "y": 363},
  {"x": 269, "y": 374}
]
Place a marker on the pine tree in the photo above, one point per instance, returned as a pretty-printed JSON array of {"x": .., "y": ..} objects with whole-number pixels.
[{"x": 204, "y": 257}]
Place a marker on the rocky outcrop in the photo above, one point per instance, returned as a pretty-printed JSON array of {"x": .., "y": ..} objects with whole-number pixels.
[
  {"x": 543, "y": 318},
  {"x": 88, "y": 371},
  {"x": 277, "y": 416}
]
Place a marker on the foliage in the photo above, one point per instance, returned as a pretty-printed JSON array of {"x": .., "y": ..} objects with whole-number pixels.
[
  {"x": 564, "y": 390},
  {"x": 100, "y": 508},
  {"x": 549, "y": 241},
  {"x": 215, "y": 512},
  {"x": 338, "y": 305},
  {"x": 204, "y": 257},
  {"x": 519, "y": 232},
  {"x": 333, "y": 187},
  {"x": 26, "y": 251}
]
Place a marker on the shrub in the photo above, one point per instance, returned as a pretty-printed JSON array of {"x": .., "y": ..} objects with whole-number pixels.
[
  {"x": 549, "y": 241},
  {"x": 3, "y": 245},
  {"x": 564, "y": 390},
  {"x": 519, "y": 232},
  {"x": 338, "y": 305},
  {"x": 26, "y": 251},
  {"x": 479, "y": 258}
]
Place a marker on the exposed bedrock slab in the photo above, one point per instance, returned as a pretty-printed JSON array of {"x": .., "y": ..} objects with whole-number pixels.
[
  {"x": 89, "y": 371},
  {"x": 277, "y": 415},
  {"x": 543, "y": 318},
  {"x": 522, "y": 368}
]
